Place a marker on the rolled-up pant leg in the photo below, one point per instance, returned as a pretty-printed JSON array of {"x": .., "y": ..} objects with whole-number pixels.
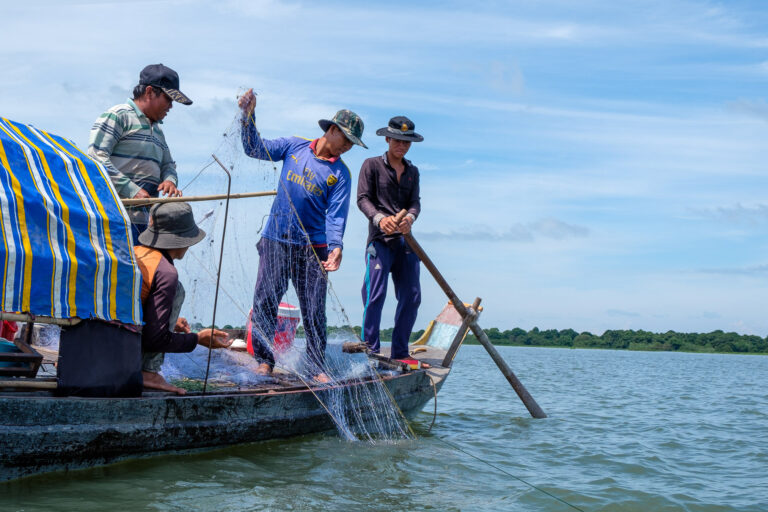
[
  {"x": 405, "y": 274},
  {"x": 152, "y": 361},
  {"x": 271, "y": 284},
  {"x": 311, "y": 287},
  {"x": 378, "y": 261}
]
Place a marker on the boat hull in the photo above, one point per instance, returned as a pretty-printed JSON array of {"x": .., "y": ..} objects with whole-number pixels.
[{"x": 44, "y": 433}]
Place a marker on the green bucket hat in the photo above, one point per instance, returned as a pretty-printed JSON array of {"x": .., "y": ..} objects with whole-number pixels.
[
  {"x": 349, "y": 123},
  {"x": 171, "y": 226}
]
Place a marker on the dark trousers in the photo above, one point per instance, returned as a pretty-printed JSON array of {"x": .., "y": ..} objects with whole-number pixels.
[
  {"x": 99, "y": 358},
  {"x": 279, "y": 262},
  {"x": 383, "y": 258}
]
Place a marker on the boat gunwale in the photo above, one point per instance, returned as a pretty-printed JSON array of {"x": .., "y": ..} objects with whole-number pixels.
[{"x": 161, "y": 395}]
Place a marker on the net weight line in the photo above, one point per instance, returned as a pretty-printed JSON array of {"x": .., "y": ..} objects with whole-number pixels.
[
  {"x": 505, "y": 472},
  {"x": 489, "y": 464}
]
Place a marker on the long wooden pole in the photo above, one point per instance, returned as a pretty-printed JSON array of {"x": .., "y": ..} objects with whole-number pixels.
[
  {"x": 190, "y": 199},
  {"x": 525, "y": 396}
]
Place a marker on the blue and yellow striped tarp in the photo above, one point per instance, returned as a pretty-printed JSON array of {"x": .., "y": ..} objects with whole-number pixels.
[{"x": 66, "y": 250}]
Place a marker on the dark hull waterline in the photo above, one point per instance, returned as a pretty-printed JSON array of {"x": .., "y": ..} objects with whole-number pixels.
[{"x": 41, "y": 433}]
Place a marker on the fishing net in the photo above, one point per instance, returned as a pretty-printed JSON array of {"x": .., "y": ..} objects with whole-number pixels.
[{"x": 357, "y": 400}]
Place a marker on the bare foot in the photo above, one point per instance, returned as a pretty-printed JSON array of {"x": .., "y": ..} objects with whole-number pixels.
[
  {"x": 264, "y": 369},
  {"x": 156, "y": 381},
  {"x": 322, "y": 378}
]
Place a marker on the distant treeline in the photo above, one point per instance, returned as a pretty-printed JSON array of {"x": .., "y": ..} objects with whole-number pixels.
[{"x": 715, "y": 341}]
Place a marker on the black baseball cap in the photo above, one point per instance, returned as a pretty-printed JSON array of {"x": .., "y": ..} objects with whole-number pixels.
[{"x": 166, "y": 79}]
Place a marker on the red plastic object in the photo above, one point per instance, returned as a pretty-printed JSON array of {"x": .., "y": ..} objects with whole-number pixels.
[
  {"x": 8, "y": 329},
  {"x": 288, "y": 317}
]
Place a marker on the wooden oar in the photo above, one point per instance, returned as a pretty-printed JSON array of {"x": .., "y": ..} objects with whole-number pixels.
[
  {"x": 470, "y": 317},
  {"x": 189, "y": 199}
]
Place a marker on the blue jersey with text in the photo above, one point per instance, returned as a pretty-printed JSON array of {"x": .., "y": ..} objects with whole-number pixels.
[{"x": 318, "y": 189}]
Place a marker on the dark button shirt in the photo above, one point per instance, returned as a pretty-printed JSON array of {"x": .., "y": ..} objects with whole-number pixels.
[
  {"x": 379, "y": 192},
  {"x": 156, "y": 335}
]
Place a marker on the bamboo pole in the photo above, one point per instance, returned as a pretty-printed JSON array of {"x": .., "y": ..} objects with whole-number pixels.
[
  {"x": 191, "y": 199},
  {"x": 28, "y": 384},
  {"x": 24, "y": 317},
  {"x": 523, "y": 393}
]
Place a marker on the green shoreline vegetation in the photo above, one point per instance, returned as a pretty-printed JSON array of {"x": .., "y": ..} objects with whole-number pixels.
[{"x": 670, "y": 341}]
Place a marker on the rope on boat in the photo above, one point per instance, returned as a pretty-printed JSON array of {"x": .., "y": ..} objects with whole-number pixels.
[
  {"x": 501, "y": 470},
  {"x": 434, "y": 413}
]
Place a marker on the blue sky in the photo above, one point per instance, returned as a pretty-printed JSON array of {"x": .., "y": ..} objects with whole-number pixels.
[{"x": 591, "y": 165}]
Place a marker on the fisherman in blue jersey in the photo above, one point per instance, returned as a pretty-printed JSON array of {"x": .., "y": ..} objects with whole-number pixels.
[{"x": 304, "y": 229}]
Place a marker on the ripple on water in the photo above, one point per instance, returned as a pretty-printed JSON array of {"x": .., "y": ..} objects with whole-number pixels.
[{"x": 627, "y": 431}]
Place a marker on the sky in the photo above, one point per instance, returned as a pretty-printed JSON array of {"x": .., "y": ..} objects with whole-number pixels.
[{"x": 590, "y": 165}]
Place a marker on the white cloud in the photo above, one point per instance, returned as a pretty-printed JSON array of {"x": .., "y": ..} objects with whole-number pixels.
[
  {"x": 738, "y": 214},
  {"x": 553, "y": 229},
  {"x": 607, "y": 137}
]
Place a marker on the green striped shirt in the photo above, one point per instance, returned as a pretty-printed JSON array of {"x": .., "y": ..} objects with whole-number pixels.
[{"x": 133, "y": 150}]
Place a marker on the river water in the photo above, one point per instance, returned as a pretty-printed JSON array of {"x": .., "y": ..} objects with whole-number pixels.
[{"x": 627, "y": 431}]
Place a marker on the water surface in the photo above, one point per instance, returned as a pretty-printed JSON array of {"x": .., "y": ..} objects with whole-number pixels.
[{"x": 627, "y": 431}]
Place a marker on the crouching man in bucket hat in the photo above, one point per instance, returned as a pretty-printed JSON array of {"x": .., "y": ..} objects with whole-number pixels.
[{"x": 171, "y": 231}]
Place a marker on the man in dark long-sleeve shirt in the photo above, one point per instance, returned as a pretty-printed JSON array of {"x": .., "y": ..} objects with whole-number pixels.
[
  {"x": 172, "y": 230},
  {"x": 388, "y": 184}
]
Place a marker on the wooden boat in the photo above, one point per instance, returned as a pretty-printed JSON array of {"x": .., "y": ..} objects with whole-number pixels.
[
  {"x": 41, "y": 432},
  {"x": 67, "y": 256}
]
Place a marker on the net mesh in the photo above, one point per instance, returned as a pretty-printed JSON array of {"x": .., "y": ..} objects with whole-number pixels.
[{"x": 357, "y": 400}]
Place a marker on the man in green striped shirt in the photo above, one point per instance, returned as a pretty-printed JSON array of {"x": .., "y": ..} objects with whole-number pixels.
[{"x": 130, "y": 143}]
